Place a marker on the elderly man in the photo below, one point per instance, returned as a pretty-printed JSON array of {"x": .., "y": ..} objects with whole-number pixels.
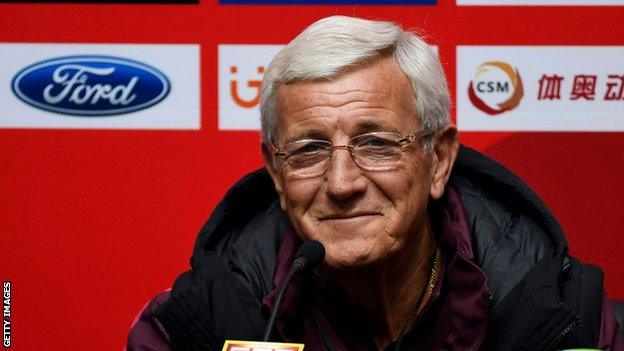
[{"x": 422, "y": 252}]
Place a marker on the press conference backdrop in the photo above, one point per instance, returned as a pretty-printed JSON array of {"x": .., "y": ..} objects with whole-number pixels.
[{"x": 123, "y": 124}]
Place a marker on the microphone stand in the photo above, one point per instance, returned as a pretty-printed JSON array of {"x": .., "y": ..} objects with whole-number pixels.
[{"x": 297, "y": 266}]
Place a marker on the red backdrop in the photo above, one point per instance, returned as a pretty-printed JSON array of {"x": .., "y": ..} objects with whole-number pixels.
[{"x": 95, "y": 222}]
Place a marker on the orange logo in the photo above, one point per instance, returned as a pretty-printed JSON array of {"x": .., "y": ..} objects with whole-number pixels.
[
  {"x": 237, "y": 345},
  {"x": 496, "y": 88},
  {"x": 254, "y": 84}
]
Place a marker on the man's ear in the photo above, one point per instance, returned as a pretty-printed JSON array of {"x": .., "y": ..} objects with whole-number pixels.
[
  {"x": 444, "y": 153},
  {"x": 269, "y": 163}
]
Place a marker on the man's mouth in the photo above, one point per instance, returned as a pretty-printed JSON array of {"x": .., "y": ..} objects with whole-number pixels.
[{"x": 352, "y": 215}]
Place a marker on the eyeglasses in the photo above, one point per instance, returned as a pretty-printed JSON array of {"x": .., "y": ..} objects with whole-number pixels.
[{"x": 378, "y": 151}]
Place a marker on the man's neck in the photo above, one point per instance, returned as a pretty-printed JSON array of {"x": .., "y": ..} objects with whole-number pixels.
[{"x": 389, "y": 294}]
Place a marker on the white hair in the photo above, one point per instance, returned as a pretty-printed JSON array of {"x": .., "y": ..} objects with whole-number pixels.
[{"x": 334, "y": 44}]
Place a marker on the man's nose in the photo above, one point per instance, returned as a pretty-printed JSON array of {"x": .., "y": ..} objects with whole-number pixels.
[{"x": 344, "y": 178}]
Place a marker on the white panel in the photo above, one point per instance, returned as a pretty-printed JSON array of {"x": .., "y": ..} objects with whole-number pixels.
[
  {"x": 540, "y": 109},
  {"x": 541, "y": 2},
  {"x": 240, "y": 73},
  {"x": 241, "y": 68},
  {"x": 178, "y": 110}
]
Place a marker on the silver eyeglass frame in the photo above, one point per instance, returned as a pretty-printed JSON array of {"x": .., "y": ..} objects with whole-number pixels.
[{"x": 403, "y": 140}]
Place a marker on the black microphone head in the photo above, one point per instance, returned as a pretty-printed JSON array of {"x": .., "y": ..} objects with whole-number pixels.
[{"x": 313, "y": 252}]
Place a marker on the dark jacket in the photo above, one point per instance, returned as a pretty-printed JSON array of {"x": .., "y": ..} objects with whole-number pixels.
[{"x": 541, "y": 297}]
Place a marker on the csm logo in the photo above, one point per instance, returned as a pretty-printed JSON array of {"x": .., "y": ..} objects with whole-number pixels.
[
  {"x": 496, "y": 88},
  {"x": 91, "y": 85},
  {"x": 241, "y": 68}
]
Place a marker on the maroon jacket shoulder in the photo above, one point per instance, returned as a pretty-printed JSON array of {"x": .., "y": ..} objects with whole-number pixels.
[
  {"x": 611, "y": 334},
  {"x": 146, "y": 332}
]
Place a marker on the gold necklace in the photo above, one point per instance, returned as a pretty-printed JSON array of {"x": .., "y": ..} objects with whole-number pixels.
[{"x": 433, "y": 274}]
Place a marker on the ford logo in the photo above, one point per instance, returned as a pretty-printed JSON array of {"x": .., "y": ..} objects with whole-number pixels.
[{"x": 90, "y": 85}]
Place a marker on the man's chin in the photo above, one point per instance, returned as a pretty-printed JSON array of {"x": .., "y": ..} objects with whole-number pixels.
[{"x": 349, "y": 259}]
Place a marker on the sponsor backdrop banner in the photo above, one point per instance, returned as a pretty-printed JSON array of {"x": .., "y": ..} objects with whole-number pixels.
[
  {"x": 541, "y": 2},
  {"x": 241, "y": 68},
  {"x": 122, "y": 125},
  {"x": 540, "y": 88},
  {"x": 107, "y": 1},
  {"x": 330, "y": 2},
  {"x": 99, "y": 86}
]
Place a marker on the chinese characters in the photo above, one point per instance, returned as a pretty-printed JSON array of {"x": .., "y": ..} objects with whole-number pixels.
[{"x": 583, "y": 87}]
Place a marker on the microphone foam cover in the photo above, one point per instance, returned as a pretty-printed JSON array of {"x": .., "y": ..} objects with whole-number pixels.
[{"x": 313, "y": 251}]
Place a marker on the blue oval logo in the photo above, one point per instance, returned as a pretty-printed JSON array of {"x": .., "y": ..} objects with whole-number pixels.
[{"x": 90, "y": 85}]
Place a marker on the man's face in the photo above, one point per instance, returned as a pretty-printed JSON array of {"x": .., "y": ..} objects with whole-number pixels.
[{"x": 362, "y": 217}]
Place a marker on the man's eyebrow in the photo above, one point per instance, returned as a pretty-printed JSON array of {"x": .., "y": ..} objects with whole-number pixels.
[
  {"x": 307, "y": 134},
  {"x": 369, "y": 126}
]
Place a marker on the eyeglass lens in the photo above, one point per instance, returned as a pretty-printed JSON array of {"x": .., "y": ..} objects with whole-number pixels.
[{"x": 371, "y": 152}]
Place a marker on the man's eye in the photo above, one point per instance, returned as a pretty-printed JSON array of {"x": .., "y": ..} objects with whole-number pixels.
[
  {"x": 375, "y": 142},
  {"x": 309, "y": 148}
]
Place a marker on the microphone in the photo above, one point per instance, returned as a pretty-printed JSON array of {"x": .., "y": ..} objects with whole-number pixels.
[{"x": 309, "y": 255}]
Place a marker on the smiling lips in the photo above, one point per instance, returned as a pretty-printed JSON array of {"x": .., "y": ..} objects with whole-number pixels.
[{"x": 349, "y": 215}]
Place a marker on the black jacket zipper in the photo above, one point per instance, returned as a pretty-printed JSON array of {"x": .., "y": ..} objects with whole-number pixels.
[{"x": 555, "y": 343}]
